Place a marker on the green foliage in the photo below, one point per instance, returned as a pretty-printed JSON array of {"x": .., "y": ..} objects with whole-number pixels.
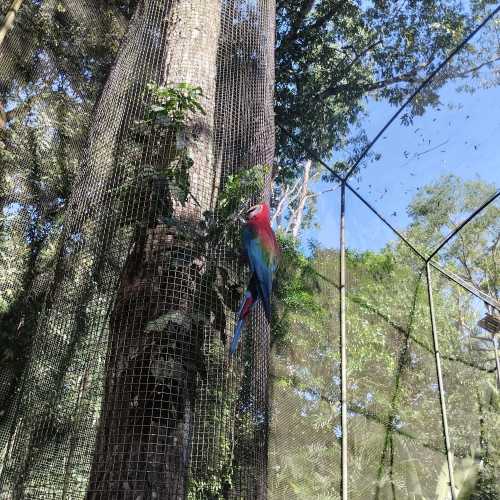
[
  {"x": 317, "y": 62},
  {"x": 223, "y": 223},
  {"x": 12, "y": 255},
  {"x": 338, "y": 54},
  {"x": 209, "y": 489},
  {"x": 53, "y": 65},
  {"x": 170, "y": 111},
  {"x": 167, "y": 122},
  {"x": 172, "y": 104},
  {"x": 222, "y": 227},
  {"x": 439, "y": 208},
  {"x": 296, "y": 286},
  {"x": 240, "y": 187},
  {"x": 214, "y": 476},
  {"x": 470, "y": 484}
]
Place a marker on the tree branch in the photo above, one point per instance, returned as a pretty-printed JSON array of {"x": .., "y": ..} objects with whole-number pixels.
[
  {"x": 304, "y": 11},
  {"x": 319, "y": 193},
  {"x": 276, "y": 218},
  {"x": 369, "y": 415},
  {"x": 408, "y": 77},
  {"x": 476, "y": 68},
  {"x": 322, "y": 20},
  {"x": 402, "y": 330},
  {"x": 3, "y": 116},
  {"x": 286, "y": 197},
  {"x": 331, "y": 88},
  {"x": 9, "y": 19},
  {"x": 296, "y": 193},
  {"x": 298, "y": 214}
]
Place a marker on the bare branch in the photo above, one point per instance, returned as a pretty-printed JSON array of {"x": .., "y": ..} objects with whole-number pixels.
[
  {"x": 276, "y": 218},
  {"x": 408, "y": 77},
  {"x": 296, "y": 194},
  {"x": 9, "y": 19},
  {"x": 476, "y": 68},
  {"x": 298, "y": 214},
  {"x": 288, "y": 197},
  {"x": 319, "y": 193},
  {"x": 3, "y": 116}
]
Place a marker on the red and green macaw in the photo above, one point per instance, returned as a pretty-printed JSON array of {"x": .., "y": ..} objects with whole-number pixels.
[{"x": 261, "y": 249}]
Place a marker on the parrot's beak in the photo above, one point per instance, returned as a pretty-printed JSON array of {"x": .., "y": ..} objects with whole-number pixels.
[{"x": 251, "y": 209}]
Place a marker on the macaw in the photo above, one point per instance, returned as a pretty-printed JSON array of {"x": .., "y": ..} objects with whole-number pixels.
[{"x": 262, "y": 251}]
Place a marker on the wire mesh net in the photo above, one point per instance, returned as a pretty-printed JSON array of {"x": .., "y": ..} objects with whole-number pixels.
[
  {"x": 131, "y": 135},
  {"x": 424, "y": 191},
  {"x": 127, "y": 389},
  {"x": 391, "y": 374}
]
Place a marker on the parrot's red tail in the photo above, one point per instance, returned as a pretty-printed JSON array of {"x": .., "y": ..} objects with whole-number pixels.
[{"x": 243, "y": 312}]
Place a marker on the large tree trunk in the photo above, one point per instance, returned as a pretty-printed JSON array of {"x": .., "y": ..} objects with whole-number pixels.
[
  {"x": 158, "y": 321},
  {"x": 142, "y": 286}
]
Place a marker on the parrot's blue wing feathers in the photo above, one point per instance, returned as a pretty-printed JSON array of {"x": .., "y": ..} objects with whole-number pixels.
[
  {"x": 236, "y": 336},
  {"x": 260, "y": 267}
]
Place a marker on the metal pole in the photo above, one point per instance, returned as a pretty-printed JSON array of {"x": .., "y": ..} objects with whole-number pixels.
[
  {"x": 343, "y": 356},
  {"x": 449, "y": 454}
]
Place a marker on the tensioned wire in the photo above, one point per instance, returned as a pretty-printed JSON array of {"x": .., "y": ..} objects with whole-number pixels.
[
  {"x": 417, "y": 91},
  {"x": 83, "y": 201},
  {"x": 344, "y": 179},
  {"x": 379, "y": 134}
]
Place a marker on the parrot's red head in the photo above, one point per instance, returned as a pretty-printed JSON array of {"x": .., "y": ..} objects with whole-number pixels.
[{"x": 258, "y": 212}]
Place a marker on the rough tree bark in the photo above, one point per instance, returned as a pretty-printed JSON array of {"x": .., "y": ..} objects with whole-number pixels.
[{"x": 157, "y": 324}]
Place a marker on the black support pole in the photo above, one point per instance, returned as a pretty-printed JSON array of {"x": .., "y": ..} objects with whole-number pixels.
[
  {"x": 343, "y": 355},
  {"x": 437, "y": 355}
]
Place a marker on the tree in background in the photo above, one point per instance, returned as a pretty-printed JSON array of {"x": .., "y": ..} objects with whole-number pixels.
[
  {"x": 473, "y": 254},
  {"x": 340, "y": 52},
  {"x": 140, "y": 218},
  {"x": 395, "y": 435}
]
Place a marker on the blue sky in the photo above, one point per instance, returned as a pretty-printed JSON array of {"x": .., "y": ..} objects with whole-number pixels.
[{"x": 461, "y": 136}]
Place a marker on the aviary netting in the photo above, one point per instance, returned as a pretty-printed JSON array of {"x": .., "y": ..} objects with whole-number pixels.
[
  {"x": 132, "y": 134},
  {"x": 128, "y": 131}
]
